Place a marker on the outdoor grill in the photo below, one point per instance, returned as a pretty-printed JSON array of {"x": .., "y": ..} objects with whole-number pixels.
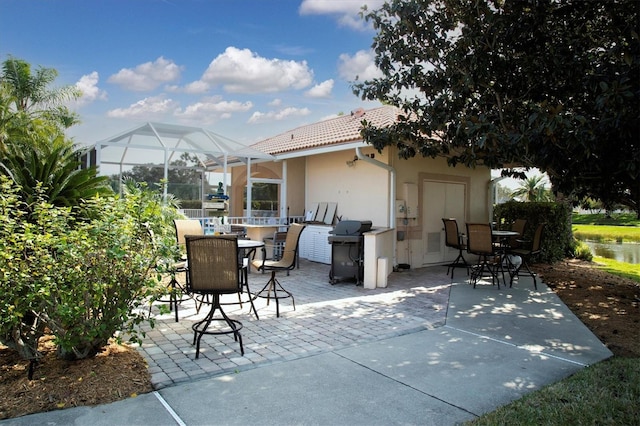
[{"x": 347, "y": 250}]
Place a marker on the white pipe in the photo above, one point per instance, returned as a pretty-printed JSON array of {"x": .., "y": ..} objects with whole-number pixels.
[
  {"x": 392, "y": 195},
  {"x": 283, "y": 191},
  {"x": 249, "y": 187}
]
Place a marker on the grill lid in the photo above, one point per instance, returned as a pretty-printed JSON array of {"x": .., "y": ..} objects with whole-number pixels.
[{"x": 352, "y": 227}]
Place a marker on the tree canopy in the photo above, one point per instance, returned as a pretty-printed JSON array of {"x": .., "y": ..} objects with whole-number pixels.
[
  {"x": 183, "y": 180},
  {"x": 552, "y": 84}
]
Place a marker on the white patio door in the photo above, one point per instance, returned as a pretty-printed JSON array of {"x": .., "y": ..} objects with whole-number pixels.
[{"x": 440, "y": 199}]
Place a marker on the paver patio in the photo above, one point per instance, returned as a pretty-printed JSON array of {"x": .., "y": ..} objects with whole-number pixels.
[{"x": 327, "y": 317}]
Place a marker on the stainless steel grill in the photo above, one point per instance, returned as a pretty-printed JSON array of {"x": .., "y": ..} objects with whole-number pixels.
[{"x": 347, "y": 250}]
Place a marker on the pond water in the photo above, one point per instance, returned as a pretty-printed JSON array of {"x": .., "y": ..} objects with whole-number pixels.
[{"x": 622, "y": 252}]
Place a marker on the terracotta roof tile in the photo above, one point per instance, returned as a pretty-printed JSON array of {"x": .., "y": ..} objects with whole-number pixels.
[{"x": 334, "y": 131}]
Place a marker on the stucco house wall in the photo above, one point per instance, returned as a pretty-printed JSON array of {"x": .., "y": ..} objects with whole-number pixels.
[
  {"x": 321, "y": 167},
  {"x": 360, "y": 190},
  {"x": 296, "y": 186},
  {"x": 417, "y": 171}
]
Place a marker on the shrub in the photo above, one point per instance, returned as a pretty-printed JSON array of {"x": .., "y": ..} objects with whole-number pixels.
[
  {"x": 83, "y": 278},
  {"x": 582, "y": 251},
  {"x": 556, "y": 240},
  {"x": 191, "y": 204},
  {"x": 25, "y": 275},
  {"x": 55, "y": 171}
]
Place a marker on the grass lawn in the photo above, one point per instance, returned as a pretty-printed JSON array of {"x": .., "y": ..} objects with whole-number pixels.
[
  {"x": 621, "y": 269},
  {"x": 604, "y": 393},
  {"x": 604, "y": 233},
  {"x": 616, "y": 219}
]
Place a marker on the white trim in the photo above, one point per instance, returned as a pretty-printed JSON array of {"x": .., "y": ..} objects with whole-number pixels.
[{"x": 321, "y": 150}]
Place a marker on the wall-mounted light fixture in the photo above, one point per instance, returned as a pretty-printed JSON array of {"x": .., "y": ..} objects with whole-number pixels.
[{"x": 352, "y": 163}]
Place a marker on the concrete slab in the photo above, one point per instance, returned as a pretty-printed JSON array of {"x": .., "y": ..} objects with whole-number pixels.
[
  {"x": 324, "y": 389},
  {"x": 466, "y": 371},
  {"x": 524, "y": 317}
]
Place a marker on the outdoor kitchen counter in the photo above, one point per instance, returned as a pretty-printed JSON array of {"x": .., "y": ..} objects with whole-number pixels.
[
  {"x": 379, "y": 255},
  {"x": 259, "y": 232}
]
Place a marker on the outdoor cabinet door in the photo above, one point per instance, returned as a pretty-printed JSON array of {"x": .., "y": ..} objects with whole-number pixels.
[{"x": 440, "y": 199}]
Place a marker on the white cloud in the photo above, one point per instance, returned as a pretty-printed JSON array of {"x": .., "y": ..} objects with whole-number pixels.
[
  {"x": 276, "y": 102},
  {"x": 322, "y": 90},
  {"x": 346, "y": 11},
  {"x": 361, "y": 65},
  {"x": 243, "y": 71},
  {"x": 210, "y": 110},
  {"x": 88, "y": 85},
  {"x": 327, "y": 117},
  {"x": 261, "y": 117},
  {"x": 147, "y": 76},
  {"x": 197, "y": 87},
  {"x": 149, "y": 108}
]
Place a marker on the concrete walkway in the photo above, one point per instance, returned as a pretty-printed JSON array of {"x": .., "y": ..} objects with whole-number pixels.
[{"x": 424, "y": 350}]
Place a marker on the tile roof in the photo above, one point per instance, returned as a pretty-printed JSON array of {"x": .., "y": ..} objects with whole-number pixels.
[{"x": 334, "y": 131}]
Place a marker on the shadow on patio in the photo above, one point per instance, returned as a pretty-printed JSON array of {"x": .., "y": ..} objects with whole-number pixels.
[{"x": 327, "y": 317}]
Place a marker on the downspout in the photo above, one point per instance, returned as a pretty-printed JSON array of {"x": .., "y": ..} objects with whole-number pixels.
[
  {"x": 283, "y": 192},
  {"x": 392, "y": 195},
  {"x": 249, "y": 188}
]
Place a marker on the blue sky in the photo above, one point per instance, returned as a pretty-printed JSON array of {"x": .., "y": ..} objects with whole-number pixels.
[{"x": 246, "y": 69}]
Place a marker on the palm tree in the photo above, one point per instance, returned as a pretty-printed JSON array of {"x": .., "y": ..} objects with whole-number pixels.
[
  {"x": 29, "y": 107},
  {"x": 31, "y": 91},
  {"x": 533, "y": 189}
]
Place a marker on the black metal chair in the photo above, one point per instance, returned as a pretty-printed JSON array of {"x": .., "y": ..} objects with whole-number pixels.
[
  {"x": 213, "y": 271},
  {"x": 454, "y": 239},
  {"x": 273, "y": 289},
  {"x": 480, "y": 243},
  {"x": 526, "y": 253}
]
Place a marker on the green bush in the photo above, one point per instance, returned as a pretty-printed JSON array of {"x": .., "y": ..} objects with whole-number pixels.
[
  {"x": 25, "y": 279},
  {"x": 582, "y": 251},
  {"x": 191, "y": 204},
  {"x": 82, "y": 278},
  {"x": 556, "y": 239}
]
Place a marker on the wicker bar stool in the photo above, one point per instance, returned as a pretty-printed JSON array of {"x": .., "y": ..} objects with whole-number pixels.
[{"x": 213, "y": 271}]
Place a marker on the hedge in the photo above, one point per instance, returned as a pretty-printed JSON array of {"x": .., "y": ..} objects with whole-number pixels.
[{"x": 557, "y": 240}]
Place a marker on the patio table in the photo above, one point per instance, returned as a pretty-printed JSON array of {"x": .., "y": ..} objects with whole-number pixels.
[{"x": 503, "y": 240}]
